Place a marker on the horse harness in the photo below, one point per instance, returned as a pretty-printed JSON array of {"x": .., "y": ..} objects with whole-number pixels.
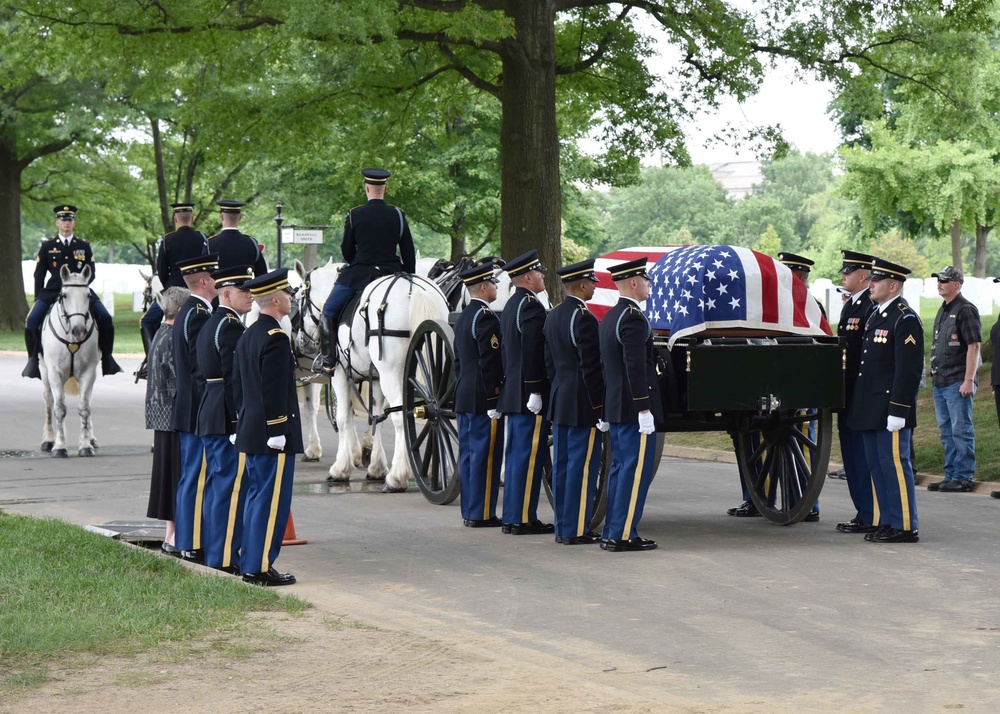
[{"x": 73, "y": 347}]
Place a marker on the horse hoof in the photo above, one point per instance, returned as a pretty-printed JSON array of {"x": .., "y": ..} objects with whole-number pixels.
[
  {"x": 86, "y": 452},
  {"x": 307, "y": 459},
  {"x": 59, "y": 454},
  {"x": 339, "y": 479},
  {"x": 389, "y": 489},
  {"x": 47, "y": 446},
  {"x": 372, "y": 477},
  {"x": 366, "y": 456},
  {"x": 93, "y": 443}
]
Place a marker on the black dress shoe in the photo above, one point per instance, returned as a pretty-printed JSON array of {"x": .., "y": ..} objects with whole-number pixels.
[
  {"x": 170, "y": 549},
  {"x": 616, "y": 546},
  {"x": 532, "y": 528},
  {"x": 895, "y": 535},
  {"x": 956, "y": 486},
  {"x": 812, "y": 517},
  {"x": 747, "y": 509},
  {"x": 994, "y": 494},
  {"x": 870, "y": 537},
  {"x": 856, "y": 526},
  {"x": 492, "y": 522},
  {"x": 194, "y": 556},
  {"x": 580, "y": 540},
  {"x": 935, "y": 485},
  {"x": 229, "y": 569},
  {"x": 271, "y": 579}
]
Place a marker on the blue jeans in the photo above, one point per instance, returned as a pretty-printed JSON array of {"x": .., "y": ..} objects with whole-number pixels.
[{"x": 954, "y": 418}]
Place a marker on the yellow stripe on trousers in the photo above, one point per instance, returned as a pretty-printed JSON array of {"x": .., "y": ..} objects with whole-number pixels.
[
  {"x": 635, "y": 487},
  {"x": 584, "y": 490},
  {"x": 904, "y": 496},
  {"x": 531, "y": 468},
  {"x": 875, "y": 511},
  {"x": 199, "y": 500},
  {"x": 488, "y": 507},
  {"x": 234, "y": 502},
  {"x": 265, "y": 564}
]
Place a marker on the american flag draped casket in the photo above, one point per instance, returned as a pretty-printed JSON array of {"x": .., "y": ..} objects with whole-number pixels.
[{"x": 721, "y": 288}]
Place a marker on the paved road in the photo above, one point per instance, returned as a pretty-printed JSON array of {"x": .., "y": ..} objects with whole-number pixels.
[{"x": 726, "y": 612}]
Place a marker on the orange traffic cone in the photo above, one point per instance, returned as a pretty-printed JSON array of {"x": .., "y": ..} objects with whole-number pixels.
[{"x": 290, "y": 538}]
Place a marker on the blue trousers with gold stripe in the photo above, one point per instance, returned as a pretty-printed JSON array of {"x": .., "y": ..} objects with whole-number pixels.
[
  {"x": 892, "y": 475},
  {"x": 190, "y": 492},
  {"x": 632, "y": 458},
  {"x": 265, "y": 514},
  {"x": 480, "y": 455},
  {"x": 525, "y": 458},
  {"x": 575, "y": 468},
  {"x": 225, "y": 493},
  {"x": 859, "y": 476}
]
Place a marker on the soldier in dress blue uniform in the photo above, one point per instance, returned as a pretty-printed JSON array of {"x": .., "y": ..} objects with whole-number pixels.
[
  {"x": 188, "y": 324},
  {"x": 182, "y": 244},
  {"x": 234, "y": 248},
  {"x": 632, "y": 404},
  {"x": 884, "y": 404},
  {"x": 225, "y": 486},
  {"x": 853, "y": 316},
  {"x": 75, "y": 253},
  {"x": 479, "y": 363},
  {"x": 376, "y": 242},
  {"x": 576, "y": 404},
  {"x": 523, "y": 396},
  {"x": 268, "y": 428}
]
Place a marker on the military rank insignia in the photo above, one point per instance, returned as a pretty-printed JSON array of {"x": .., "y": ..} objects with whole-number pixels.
[
  {"x": 495, "y": 342},
  {"x": 910, "y": 340},
  {"x": 881, "y": 336}
]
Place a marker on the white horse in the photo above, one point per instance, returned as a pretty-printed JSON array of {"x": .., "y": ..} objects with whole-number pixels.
[{"x": 69, "y": 354}]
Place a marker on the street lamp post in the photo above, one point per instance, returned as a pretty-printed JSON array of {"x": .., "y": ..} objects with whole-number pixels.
[{"x": 278, "y": 219}]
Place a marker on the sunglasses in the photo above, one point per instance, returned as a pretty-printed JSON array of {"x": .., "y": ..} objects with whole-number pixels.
[{"x": 944, "y": 281}]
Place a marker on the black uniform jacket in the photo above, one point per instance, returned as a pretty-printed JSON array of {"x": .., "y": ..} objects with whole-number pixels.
[
  {"x": 892, "y": 359},
  {"x": 264, "y": 383},
  {"x": 631, "y": 385},
  {"x": 521, "y": 334},
  {"x": 52, "y": 256},
  {"x": 573, "y": 361},
  {"x": 216, "y": 351},
  {"x": 182, "y": 244},
  {"x": 372, "y": 233},
  {"x": 478, "y": 359},
  {"x": 235, "y": 249},
  {"x": 851, "y": 330},
  {"x": 190, "y": 384}
]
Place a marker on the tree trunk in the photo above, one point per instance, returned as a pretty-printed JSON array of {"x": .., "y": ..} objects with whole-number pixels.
[
  {"x": 13, "y": 306},
  {"x": 979, "y": 264},
  {"x": 531, "y": 207},
  {"x": 956, "y": 244},
  {"x": 457, "y": 247},
  {"x": 161, "y": 176}
]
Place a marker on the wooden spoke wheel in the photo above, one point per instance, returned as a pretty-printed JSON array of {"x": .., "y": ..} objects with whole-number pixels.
[
  {"x": 600, "y": 492},
  {"x": 783, "y": 458},
  {"x": 429, "y": 411}
]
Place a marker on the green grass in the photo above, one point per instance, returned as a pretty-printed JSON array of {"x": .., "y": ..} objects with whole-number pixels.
[
  {"x": 70, "y": 595},
  {"x": 127, "y": 339}
]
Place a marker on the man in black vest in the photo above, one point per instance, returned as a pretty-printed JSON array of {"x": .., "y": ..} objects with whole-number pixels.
[
  {"x": 884, "y": 404},
  {"x": 576, "y": 404},
  {"x": 853, "y": 316},
  {"x": 268, "y": 428},
  {"x": 479, "y": 364},
  {"x": 376, "y": 242},
  {"x": 189, "y": 322},
  {"x": 523, "y": 396},
  {"x": 234, "y": 248},
  {"x": 75, "y": 253},
  {"x": 632, "y": 404},
  {"x": 225, "y": 486}
]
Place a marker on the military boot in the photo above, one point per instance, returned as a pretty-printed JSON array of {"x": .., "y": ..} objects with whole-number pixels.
[
  {"x": 31, "y": 343},
  {"x": 328, "y": 343},
  {"x": 106, "y": 343},
  {"x": 147, "y": 340}
]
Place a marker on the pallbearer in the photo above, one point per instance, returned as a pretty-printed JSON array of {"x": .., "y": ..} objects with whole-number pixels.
[
  {"x": 479, "y": 363},
  {"x": 576, "y": 401},
  {"x": 268, "y": 429},
  {"x": 632, "y": 405}
]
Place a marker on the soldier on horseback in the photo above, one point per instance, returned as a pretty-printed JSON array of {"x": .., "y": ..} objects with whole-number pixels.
[
  {"x": 75, "y": 253},
  {"x": 372, "y": 233}
]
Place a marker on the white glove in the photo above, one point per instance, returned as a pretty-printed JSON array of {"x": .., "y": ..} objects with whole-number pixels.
[
  {"x": 276, "y": 442},
  {"x": 534, "y": 403},
  {"x": 602, "y": 426},
  {"x": 646, "y": 425},
  {"x": 493, "y": 414},
  {"x": 895, "y": 423},
  {"x": 232, "y": 439}
]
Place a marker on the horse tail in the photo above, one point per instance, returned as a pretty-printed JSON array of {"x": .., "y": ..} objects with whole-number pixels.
[
  {"x": 72, "y": 387},
  {"x": 427, "y": 302}
]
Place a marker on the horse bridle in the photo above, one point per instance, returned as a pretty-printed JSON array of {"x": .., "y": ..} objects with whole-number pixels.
[
  {"x": 64, "y": 318},
  {"x": 307, "y": 307}
]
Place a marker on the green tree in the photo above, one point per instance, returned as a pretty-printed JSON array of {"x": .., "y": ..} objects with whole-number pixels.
[{"x": 769, "y": 243}]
